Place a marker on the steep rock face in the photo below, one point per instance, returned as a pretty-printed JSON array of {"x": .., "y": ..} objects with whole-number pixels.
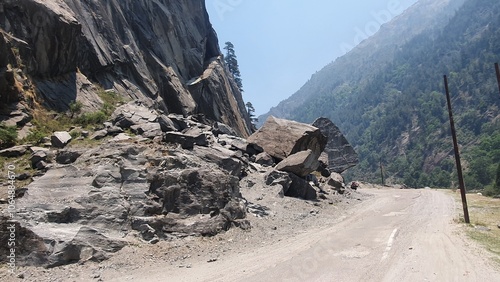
[{"x": 164, "y": 53}]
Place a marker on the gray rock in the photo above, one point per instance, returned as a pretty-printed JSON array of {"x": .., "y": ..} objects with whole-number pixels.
[
  {"x": 186, "y": 141},
  {"x": 264, "y": 159},
  {"x": 257, "y": 210},
  {"x": 114, "y": 130},
  {"x": 179, "y": 121},
  {"x": 87, "y": 244},
  {"x": 100, "y": 134},
  {"x": 336, "y": 181},
  {"x": 221, "y": 128},
  {"x": 34, "y": 149},
  {"x": 60, "y": 139},
  {"x": 281, "y": 138},
  {"x": 238, "y": 143},
  {"x": 280, "y": 179},
  {"x": 301, "y": 163},
  {"x": 167, "y": 125},
  {"x": 67, "y": 156},
  {"x": 41, "y": 165},
  {"x": 15, "y": 114},
  {"x": 133, "y": 113},
  {"x": 340, "y": 155},
  {"x": 14, "y": 152},
  {"x": 140, "y": 119},
  {"x": 148, "y": 233},
  {"x": 121, "y": 137},
  {"x": 108, "y": 175},
  {"x": 37, "y": 157},
  {"x": 23, "y": 176},
  {"x": 225, "y": 159},
  {"x": 194, "y": 192},
  {"x": 66, "y": 215},
  {"x": 300, "y": 188},
  {"x": 148, "y": 130}
]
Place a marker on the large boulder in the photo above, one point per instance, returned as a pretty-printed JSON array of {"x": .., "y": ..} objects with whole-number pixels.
[
  {"x": 195, "y": 191},
  {"x": 340, "y": 155},
  {"x": 301, "y": 163},
  {"x": 81, "y": 211},
  {"x": 281, "y": 138}
]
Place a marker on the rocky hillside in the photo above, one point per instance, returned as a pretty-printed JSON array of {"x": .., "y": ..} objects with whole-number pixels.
[
  {"x": 162, "y": 53},
  {"x": 387, "y": 95},
  {"x": 173, "y": 177}
]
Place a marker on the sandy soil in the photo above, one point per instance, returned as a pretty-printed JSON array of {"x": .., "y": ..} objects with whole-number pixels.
[{"x": 374, "y": 235}]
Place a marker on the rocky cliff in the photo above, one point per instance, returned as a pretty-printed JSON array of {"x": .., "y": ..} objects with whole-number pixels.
[{"x": 163, "y": 53}]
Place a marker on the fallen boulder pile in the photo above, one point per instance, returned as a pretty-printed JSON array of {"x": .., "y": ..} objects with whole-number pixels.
[{"x": 174, "y": 176}]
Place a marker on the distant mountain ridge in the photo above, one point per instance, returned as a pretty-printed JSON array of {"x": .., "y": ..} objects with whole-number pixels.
[
  {"x": 374, "y": 51},
  {"x": 386, "y": 95}
]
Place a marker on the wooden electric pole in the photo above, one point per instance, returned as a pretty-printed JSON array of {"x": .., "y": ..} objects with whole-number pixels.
[
  {"x": 457, "y": 153},
  {"x": 382, "y": 172}
]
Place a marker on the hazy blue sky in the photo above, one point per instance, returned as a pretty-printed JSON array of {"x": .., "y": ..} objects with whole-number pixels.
[{"x": 281, "y": 43}]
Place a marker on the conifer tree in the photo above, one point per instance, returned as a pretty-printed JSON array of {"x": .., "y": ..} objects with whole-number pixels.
[
  {"x": 232, "y": 64},
  {"x": 251, "y": 111}
]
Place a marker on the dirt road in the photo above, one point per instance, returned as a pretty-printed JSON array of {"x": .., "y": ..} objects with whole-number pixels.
[{"x": 398, "y": 235}]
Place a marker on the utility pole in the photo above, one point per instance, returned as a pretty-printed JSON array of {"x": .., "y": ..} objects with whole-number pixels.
[
  {"x": 382, "y": 172},
  {"x": 457, "y": 153}
]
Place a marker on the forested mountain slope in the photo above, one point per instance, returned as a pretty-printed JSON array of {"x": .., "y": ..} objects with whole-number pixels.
[{"x": 390, "y": 103}]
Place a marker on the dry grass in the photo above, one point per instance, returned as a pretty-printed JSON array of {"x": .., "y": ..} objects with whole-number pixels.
[{"x": 484, "y": 213}]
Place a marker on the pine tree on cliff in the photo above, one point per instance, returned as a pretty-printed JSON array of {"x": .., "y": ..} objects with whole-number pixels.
[
  {"x": 232, "y": 64},
  {"x": 251, "y": 114}
]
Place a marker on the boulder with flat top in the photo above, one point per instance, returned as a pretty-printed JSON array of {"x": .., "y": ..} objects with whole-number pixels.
[{"x": 281, "y": 138}]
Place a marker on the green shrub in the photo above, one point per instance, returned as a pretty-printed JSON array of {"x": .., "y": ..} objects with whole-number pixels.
[
  {"x": 35, "y": 137},
  {"x": 8, "y": 136},
  {"x": 92, "y": 118},
  {"x": 75, "y": 107}
]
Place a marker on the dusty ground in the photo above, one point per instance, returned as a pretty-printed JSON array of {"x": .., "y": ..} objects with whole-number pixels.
[{"x": 386, "y": 235}]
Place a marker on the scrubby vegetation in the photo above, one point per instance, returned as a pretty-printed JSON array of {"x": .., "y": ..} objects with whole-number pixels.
[
  {"x": 8, "y": 136},
  {"x": 46, "y": 122},
  {"x": 110, "y": 99}
]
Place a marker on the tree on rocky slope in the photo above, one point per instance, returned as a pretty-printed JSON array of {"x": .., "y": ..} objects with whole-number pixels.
[
  {"x": 8, "y": 136},
  {"x": 251, "y": 113},
  {"x": 232, "y": 64}
]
